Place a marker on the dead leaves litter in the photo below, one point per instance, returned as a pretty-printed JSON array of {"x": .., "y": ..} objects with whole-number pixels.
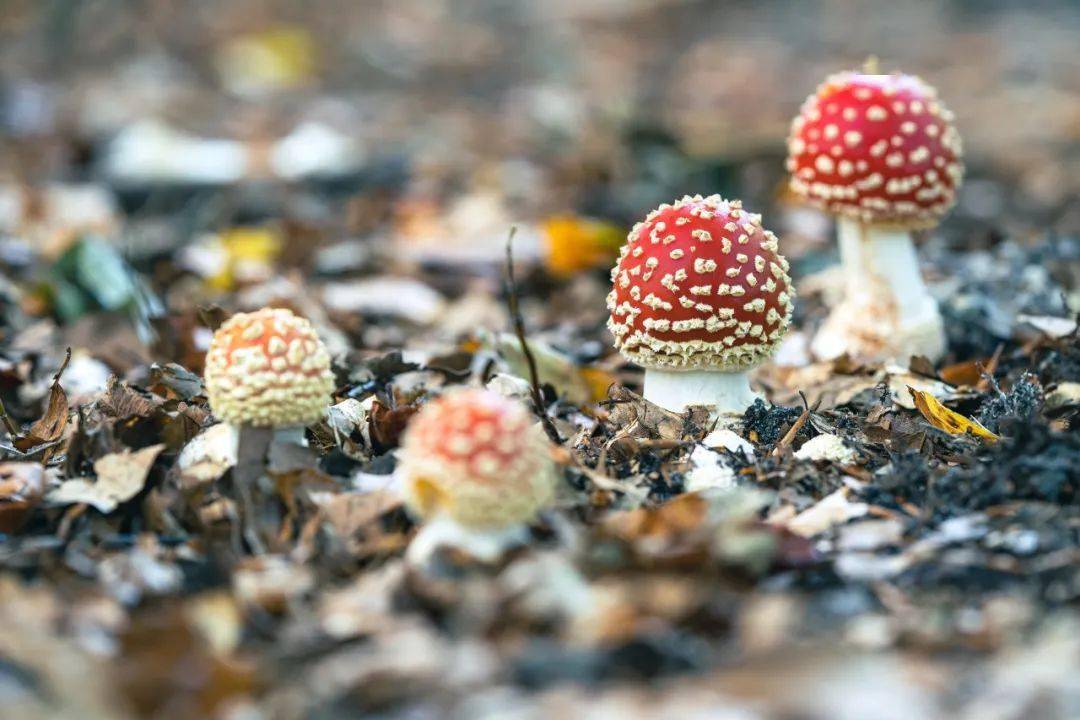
[{"x": 120, "y": 477}]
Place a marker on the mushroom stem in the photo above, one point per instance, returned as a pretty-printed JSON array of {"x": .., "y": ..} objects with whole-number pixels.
[
  {"x": 292, "y": 435},
  {"x": 486, "y": 545},
  {"x": 890, "y": 255},
  {"x": 726, "y": 392},
  {"x": 884, "y": 298}
]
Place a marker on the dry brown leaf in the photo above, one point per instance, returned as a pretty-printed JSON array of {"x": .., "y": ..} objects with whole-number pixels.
[
  {"x": 350, "y": 512},
  {"x": 679, "y": 516},
  {"x": 51, "y": 425},
  {"x": 120, "y": 477},
  {"x": 21, "y": 486},
  {"x": 945, "y": 419}
]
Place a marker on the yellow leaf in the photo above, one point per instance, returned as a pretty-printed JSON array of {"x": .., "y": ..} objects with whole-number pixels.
[
  {"x": 248, "y": 251},
  {"x": 945, "y": 419},
  {"x": 279, "y": 58},
  {"x": 575, "y": 244},
  {"x": 598, "y": 381}
]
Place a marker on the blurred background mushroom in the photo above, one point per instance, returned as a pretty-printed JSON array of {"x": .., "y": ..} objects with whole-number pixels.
[
  {"x": 881, "y": 154},
  {"x": 475, "y": 467}
]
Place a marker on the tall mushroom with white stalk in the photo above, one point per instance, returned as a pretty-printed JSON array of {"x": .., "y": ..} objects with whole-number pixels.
[
  {"x": 700, "y": 296},
  {"x": 879, "y": 152},
  {"x": 476, "y": 467},
  {"x": 267, "y": 373}
]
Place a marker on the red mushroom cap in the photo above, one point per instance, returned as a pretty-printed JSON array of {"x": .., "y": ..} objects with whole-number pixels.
[
  {"x": 881, "y": 149},
  {"x": 700, "y": 284},
  {"x": 477, "y": 457},
  {"x": 268, "y": 368}
]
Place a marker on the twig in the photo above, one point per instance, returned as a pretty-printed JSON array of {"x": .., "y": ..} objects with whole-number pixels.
[
  {"x": 9, "y": 424},
  {"x": 63, "y": 367},
  {"x": 987, "y": 373},
  {"x": 519, "y": 330},
  {"x": 789, "y": 436}
]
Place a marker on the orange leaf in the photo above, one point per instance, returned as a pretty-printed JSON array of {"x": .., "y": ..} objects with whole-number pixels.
[
  {"x": 575, "y": 244},
  {"x": 598, "y": 381}
]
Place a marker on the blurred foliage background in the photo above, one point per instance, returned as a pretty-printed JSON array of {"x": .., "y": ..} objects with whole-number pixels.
[{"x": 605, "y": 107}]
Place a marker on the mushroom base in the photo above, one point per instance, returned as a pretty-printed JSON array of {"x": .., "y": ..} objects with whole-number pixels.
[
  {"x": 724, "y": 392},
  {"x": 292, "y": 435},
  {"x": 485, "y": 545},
  {"x": 887, "y": 313}
]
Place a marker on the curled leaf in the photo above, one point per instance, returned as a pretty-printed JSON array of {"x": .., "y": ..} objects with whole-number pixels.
[{"x": 945, "y": 419}]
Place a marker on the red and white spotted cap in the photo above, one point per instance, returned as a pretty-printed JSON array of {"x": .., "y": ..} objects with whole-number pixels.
[
  {"x": 478, "y": 458},
  {"x": 268, "y": 369},
  {"x": 880, "y": 149},
  {"x": 700, "y": 284}
]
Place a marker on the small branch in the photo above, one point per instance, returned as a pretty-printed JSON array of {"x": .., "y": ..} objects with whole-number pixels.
[
  {"x": 789, "y": 436},
  {"x": 9, "y": 424},
  {"x": 63, "y": 367},
  {"x": 987, "y": 373},
  {"x": 519, "y": 330}
]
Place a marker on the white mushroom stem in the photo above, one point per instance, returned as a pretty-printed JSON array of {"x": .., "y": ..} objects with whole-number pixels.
[
  {"x": 888, "y": 254},
  {"x": 887, "y": 312},
  {"x": 676, "y": 390},
  {"x": 293, "y": 435},
  {"x": 486, "y": 545}
]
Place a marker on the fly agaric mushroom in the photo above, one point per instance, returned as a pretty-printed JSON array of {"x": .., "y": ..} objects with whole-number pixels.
[
  {"x": 879, "y": 152},
  {"x": 700, "y": 296},
  {"x": 268, "y": 369},
  {"x": 476, "y": 466}
]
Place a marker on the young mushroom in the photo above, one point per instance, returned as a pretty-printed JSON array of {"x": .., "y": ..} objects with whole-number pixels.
[
  {"x": 700, "y": 296},
  {"x": 267, "y": 373},
  {"x": 268, "y": 369},
  {"x": 879, "y": 152},
  {"x": 476, "y": 467}
]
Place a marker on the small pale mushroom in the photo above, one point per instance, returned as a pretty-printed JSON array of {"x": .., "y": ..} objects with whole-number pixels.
[
  {"x": 268, "y": 369},
  {"x": 700, "y": 296},
  {"x": 881, "y": 153},
  {"x": 475, "y": 466},
  {"x": 267, "y": 374}
]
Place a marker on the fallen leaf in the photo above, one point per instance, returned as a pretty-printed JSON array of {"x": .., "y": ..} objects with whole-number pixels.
[
  {"x": 679, "y": 516},
  {"x": 208, "y": 456},
  {"x": 964, "y": 373},
  {"x": 575, "y": 244},
  {"x": 640, "y": 419},
  {"x": 945, "y": 419},
  {"x": 552, "y": 367},
  {"x": 21, "y": 486},
  {"x": 283, "y": 56},
  {"x": 1053, "y": 327},
  {"x": 120, "y": 477},
  {"x": 350, "y": 512},
  {"x": 397, "y": 297},
  {"x": 598, "y": 380},
  {"x": 248, "y": 253},
  {"x": 50, "y": 427},
  {"x": 832, "y": 510}
]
